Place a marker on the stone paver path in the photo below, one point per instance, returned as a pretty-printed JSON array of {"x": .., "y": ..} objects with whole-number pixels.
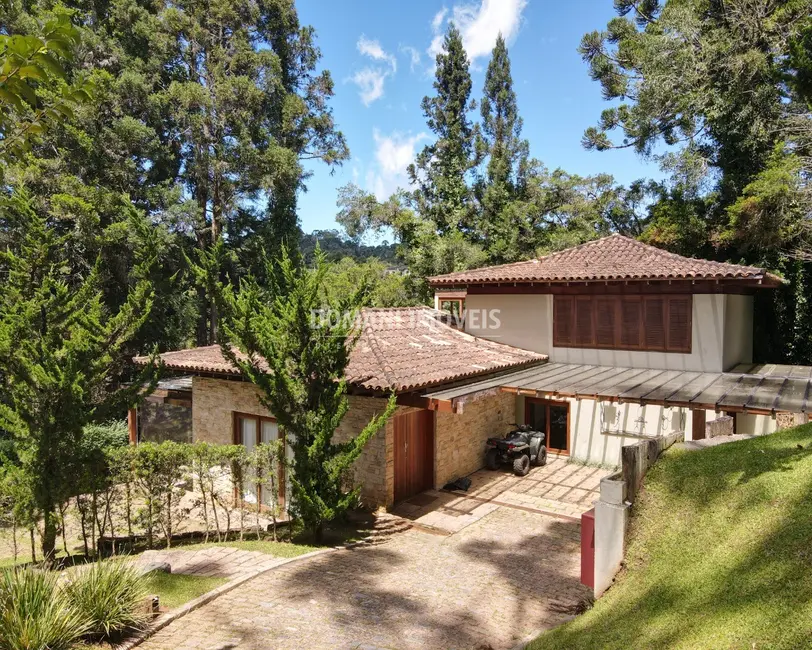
[
  {"x": 509, "y": 574},
  {"x": 559, "y": 488},
  {"x": 213, "y": 561}
]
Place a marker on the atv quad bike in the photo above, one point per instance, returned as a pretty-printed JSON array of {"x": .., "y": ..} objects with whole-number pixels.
[{"x": 521, "y": 447}]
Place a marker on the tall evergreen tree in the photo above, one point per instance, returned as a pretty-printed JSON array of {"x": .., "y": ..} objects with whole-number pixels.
[
  {"x": 204, "y": 110},
  {"x": 59, "y": 353},
  {"x": 298, "y": 362},
  {"x": 507, "y": 153},
  {"x": 440, "y": 170}
]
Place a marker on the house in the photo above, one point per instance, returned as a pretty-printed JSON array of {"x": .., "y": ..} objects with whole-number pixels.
[
  {"x": 405, "y": 350},
  {"x": 598, "y": 345}
]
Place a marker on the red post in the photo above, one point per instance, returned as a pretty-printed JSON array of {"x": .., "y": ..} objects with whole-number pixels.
[
  {"x": 132, "y": 426},
  {"x": 588, "y": 548}
]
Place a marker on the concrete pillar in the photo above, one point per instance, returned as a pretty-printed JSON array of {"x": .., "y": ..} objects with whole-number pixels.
[{"x": 611, "y": 521}]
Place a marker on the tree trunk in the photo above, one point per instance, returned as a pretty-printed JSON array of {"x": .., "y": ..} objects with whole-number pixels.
[
  {"x": 14, "y": 537},
  {"x": 62, "y": 509},
  {"x": 49, "y": 534},
  {"x": 214, "y": 510},
  {"x": 33, "y": 546},
  {"x": 318, "y": 533},
  {"x": 81, "y": 511}
]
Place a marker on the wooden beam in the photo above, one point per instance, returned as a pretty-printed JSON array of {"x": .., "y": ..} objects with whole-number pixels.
[
  {"x": 132, "y": 426},
  {"x": 418, "y": 401}
]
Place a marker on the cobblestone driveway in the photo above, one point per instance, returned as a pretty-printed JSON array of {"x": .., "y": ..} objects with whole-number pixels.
[{"x": 487, "y": 586}]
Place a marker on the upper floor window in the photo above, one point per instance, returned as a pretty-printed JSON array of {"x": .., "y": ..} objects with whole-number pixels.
[
  {"x": 453, "y": 306},
  {"x": 646, "y": 323}
]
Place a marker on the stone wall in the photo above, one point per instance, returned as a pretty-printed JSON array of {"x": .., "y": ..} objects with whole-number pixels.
[
  {"x": 787, "y": 420},
  {"x": 374, "y": 470},
  {"x": 460, "y": 438},
  {"x": 213, "y": 404},
  {"x": 215, "y": 400}
]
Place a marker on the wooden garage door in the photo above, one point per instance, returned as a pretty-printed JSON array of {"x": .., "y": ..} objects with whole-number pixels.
[{"x": 414, "y": 453}]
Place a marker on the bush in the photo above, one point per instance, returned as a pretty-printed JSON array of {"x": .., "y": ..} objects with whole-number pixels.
[
  {"x": 110, "y": 596},
  {"x": 35, "y": 614}
]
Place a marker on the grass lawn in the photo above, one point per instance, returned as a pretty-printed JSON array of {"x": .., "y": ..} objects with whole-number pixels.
[
  {"x": 175, "y": 589},
  {"x": 278, "y": 549},
  {"x": 720, "y": 554}
]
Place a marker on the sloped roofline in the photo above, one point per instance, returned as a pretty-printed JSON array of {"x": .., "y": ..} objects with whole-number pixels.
[{"x": 629, "y": 265}]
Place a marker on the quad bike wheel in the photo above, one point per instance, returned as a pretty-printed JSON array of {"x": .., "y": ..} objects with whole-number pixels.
[
  {"x": 492, "y": 459},
  {"x": 521, "y": 465},
  {"x": 541, "y": 457}
]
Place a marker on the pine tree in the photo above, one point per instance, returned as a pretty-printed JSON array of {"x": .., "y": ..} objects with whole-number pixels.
[
  {"x": 298, "y": 362},
  {"x": 204, "y": 110},
  {"x": 59, "y": 350},
  {"x": 440, "y": 170},
  {"x": 507, "y": 153}
]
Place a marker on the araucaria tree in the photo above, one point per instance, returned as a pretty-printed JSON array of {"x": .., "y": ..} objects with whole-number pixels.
[
  {"x": 298, "y": 359},
  {"x": 59, "y": 350}
]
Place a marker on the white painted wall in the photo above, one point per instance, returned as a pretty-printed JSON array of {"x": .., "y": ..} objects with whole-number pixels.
[
  {"x": 755, "y": 424},
  {"x": 738, "y": 340},
  {"x": 597, "y": 428},
  {"x": 722, "y": 332},
  {"x": 525, "y": 321}
]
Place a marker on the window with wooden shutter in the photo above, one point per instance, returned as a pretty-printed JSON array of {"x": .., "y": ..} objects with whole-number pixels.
[
  {"x": 679, "y": 324},
  {"x": 584, "y": 322},
  {"x": 646, "y": 323},
  {"x": 654, "y": 323},
  {"x": 563, "y": 330},
  {"x": 605, "y": 326},
  {"x": 631, "y": 317}
]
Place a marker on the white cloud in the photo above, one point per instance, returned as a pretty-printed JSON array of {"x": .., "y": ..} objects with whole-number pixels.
[
  {"x": 393, "y": 154},
  {"x": 372, "y": 48},
  {"x": 479, "y": 25},
  {"x": 370, "y": 84},
  {"x": 370, "y": 80},
  {"x": 413, "y": 54},
  {"x": 437, "y": 21}
]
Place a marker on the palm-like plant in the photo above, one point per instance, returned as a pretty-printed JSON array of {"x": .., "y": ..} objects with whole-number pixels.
[
  {"x": 35, "y": 614},
  {"x": 110, "y": 596}
]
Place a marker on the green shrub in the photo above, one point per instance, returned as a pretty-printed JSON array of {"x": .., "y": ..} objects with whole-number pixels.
[
  {"x": 110, "y": 596},
  {"x": 35, "y": 614}
]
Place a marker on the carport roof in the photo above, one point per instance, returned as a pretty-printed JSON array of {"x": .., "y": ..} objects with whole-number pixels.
[{"x": 755, "y": 388}]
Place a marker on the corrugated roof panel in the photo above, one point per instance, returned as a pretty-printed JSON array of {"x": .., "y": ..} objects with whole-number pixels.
[
  {"x": 742, "y": 391},
  {"x": 765, "y": 396},
  {"x": 553, "y": 383},
  {"x": 763, "y": 391},
  {"x": 624, "y": 380},
  {"x": 746, "y": 368},
  {"x": 689, "y": 390},
  {"x": 793, "y": 396},
  {"x": 544, "y": 374},
  {"x": 580, "y": 383},
  {"x": 658, "y": 387},
  {"x": 717, "y": 389}
]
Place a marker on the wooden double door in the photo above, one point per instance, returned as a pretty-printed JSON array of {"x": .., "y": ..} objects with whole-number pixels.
[{"x": 414, "y": 453}]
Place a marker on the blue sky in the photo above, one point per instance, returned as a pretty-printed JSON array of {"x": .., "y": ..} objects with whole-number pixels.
[{"x": 380, "y": 54}]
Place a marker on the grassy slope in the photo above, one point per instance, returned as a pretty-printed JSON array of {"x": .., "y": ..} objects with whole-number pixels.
[{"x": 720, "y": 554}]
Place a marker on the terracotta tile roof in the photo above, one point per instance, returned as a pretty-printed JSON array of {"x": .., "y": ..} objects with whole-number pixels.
[
  {"x": 611, "y": 258},
  {"x": 402, "y": 349}
]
